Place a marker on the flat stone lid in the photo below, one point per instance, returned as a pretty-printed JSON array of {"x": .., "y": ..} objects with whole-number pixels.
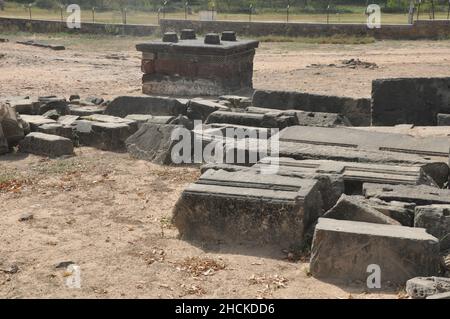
[
  {"x": 197, "y": 46},
  {"x": 362, "y": 228}
]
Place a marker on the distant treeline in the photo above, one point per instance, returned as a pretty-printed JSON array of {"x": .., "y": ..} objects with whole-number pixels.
[{"x": 239, "y": 6}]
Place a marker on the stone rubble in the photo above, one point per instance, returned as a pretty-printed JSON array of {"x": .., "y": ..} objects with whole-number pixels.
[{"x": 354, "y": 195}]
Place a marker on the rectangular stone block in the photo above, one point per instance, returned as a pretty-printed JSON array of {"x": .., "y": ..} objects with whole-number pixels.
[
  {"x": 248, "y": 207},
  {"x": 102, "y": 135},
  {"x": 28, "y": 106},
  {"x": 358, "y": 139},
  {"x": 354, "y": 174},
  {"x": 85, "y": 110},
  {"x": 56, "y": 129},
  {"x": 190, "y": 67},
  {"x": 153, "y": 142},
  {"x": 419, "y": 194},
  {"x": 356, "y": 110},
  {"x": 154, "y": 105},
  {"x": 409, "y": 100},
  {"x": 36, "y": 120},
  {"x": 46, "y": 144},
  {"x": 342, "y": 250}
]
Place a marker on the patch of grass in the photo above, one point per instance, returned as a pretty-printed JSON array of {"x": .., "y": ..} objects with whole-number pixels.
[
  {"x": 60, "y": 166},
  {"x": 337, "y": 39}
]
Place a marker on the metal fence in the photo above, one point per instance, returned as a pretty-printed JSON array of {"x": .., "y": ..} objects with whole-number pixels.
[{"x": 419, "y": 10}]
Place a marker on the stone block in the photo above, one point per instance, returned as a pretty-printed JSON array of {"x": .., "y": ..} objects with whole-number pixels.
[
  {"x": 153, "y": 105},
  {"x": 342, "y": 250},
  {"x": 356, "y": 110},
  {"x": 46, "y": 144},
  {"x": 56, "y": 129},
  {"x": 36, "y": 120},
  {"x": 28, "y": 106},
  {"x": 102, "y": 135},
  {"x": 419, "y": 194},
  {"x": 354, "y": 209},
  {"x": 153, "y": 142},
  {"x": 248, "y": 207},
  {"x": 409, "y": 100},
  {"x": 200, "y": 109},
  {"x": 305, "y": 118},
  {"x": 436, "y": 220},
  {"x": 85, "y": 110}
]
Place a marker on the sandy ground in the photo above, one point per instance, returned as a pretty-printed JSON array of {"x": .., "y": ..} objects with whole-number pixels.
[{"x": 110, "y": 214}]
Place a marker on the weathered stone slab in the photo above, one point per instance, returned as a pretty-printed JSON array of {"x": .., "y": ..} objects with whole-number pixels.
[
  {"x": 47, "y": 103},
  {"x": 409, "y": 100},
  {"x": 356, "y": 110},
  {"x": 102, "y": 135},
  {"x": 355, "y": 174},
  {"x": 85, "y": 110},
  {"x": 423, "y": 287},
  {"x": 56, "y": 129},
  {"x": 420, "y": 194},
  {"x": 46, "y": 144},
  {"x": 342, "y": 250},
  {"x": 162, "y": 119},
  {"x": 354, "y": 209},
  {"x": 28, "y": 106},
  {"x": 153, "y": 142},
  {"x": 247, "y": 207},
  {"x": 305, "y": 118},
  {"x": 409, "y": 129},
  {"x": 357, "y": 139},
  {"x": 36, "y": 120},
  {"x": 400, "y": 211},
  {"x": 436, "y": 220},
  {"x": 139, "y": 118},
  {"x": 200, "y": 109},
  {"x": 346, "y": 144},
  {"x": 331, "y": 186},
  {"x": 236, "y": 118},
  {"x": 68, "y": 119},
  {"x": 154, "y": 105}
]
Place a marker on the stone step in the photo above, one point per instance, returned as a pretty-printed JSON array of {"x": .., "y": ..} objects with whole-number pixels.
[{"x": 342, "y": 251}]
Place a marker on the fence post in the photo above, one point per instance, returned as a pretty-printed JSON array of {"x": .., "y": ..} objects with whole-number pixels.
[
  {"x": 287, "y": 12},
  {"x": 93, "y": 14},
  {"x": 185, "y": 10},
  {"x": 159, "y": 11},
  {"x": 164, "y": 9},
  {"x": 61, "y": 11},
  {"x": 418, "y": 9},
  {"x": 328, "y": 13},
  {"x": 29, "y": 9},
  {"x": 432, "y": 9},
  {"x": 448, "y": 10},
  {"x": 250, "y": 11}
]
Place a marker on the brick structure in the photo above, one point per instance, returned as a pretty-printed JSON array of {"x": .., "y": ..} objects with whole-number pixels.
[{"x": 192, "y": 67}]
